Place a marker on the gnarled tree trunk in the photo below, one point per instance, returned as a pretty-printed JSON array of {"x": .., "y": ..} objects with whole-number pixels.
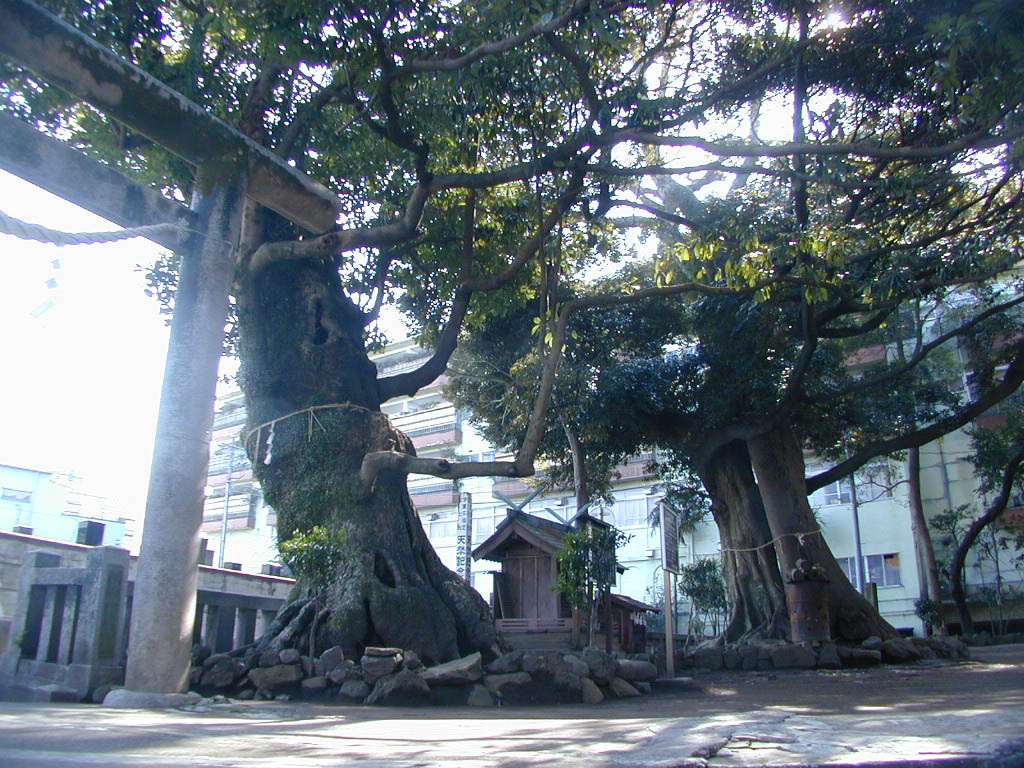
[
  {"x": 302, "y": 353},
  {"x": 757, "y": 600},
  {"x": 923, "y": 540},
  {"x": 779, "y": 465}
]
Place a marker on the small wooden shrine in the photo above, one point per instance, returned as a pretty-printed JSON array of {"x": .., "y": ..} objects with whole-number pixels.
[{"x": 526, "y": 609}]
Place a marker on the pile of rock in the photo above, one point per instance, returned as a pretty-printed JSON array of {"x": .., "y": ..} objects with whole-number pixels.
[
  {"x": 396, "y": 677},
  {"x": 825, "y": 655}
]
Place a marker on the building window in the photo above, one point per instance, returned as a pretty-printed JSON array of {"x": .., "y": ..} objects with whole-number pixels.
[
  {"x": 442, "y": 529},
  {"x": 21, "y": 497},
  {"x": 874, "y": 483},
  {"x": 883, "y": 570},
  {"x": 482, "y": 528},
  {"x": 836, "y": 493},
  {"x": 846, "y": 563},
  {"x": 630, "y": 513}
]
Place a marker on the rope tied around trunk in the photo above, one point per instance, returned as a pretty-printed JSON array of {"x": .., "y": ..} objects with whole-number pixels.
[
  {"x": 27, "y": 231},
  {"x": 771, "y": 543},
  {"x": 311, "y": 411}
]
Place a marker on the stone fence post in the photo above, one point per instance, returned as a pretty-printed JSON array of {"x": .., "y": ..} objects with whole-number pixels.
[{"x": 67, "y": 635}]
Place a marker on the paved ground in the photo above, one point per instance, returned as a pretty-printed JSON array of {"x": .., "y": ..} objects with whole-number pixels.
[{"x": 945, "y": 715}]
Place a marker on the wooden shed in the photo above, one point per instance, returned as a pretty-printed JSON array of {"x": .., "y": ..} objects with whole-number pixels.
[
  {"x": 527, "y": 611},
  {"x": 526, "y": 546}
]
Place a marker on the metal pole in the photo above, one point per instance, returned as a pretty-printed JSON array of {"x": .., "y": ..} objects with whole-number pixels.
[
  {"x": 858, "y": 553},
  {"x": 670, "y": 656},
  {"x": 227, "y": 502}
]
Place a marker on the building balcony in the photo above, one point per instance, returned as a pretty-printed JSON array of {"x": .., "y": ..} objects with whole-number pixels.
[
  {"x": 435, "y": 436},
  {"x": 236, "y": 522},
  {"x": 636, "y": 467},
  {"x": 239, "y": 475},
  {"x": 434, "y": 495},
  {"x": 512, "y": 487},
  {"x": 232, "y": 417},
  {"x": 221, "y": 460}
]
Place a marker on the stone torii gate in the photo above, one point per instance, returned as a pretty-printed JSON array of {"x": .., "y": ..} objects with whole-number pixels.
[{"x": 229, "y": 167}]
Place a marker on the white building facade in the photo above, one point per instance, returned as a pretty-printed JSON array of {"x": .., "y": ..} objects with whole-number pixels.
[{"x": 52, "y": 505}]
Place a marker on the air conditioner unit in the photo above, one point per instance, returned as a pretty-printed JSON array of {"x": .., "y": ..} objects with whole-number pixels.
[{"x": 90, "y": 533}]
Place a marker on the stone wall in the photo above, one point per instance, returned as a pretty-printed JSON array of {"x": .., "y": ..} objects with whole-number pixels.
[
  {"x": 823, "y": 655},
  {"x": 232, "y": 607}
]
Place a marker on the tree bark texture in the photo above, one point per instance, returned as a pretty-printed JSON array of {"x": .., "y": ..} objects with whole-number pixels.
[
  {"x": 301, "y": 345},
  {"x": 779, "y": 465},
  {"x": 579, "y": 467},
  {"x": 757, "y": 600},
  {"x": 992, "y": 513},
  {"x": 922, "y": 538}
]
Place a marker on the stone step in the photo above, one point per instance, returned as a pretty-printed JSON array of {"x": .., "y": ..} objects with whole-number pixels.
[{"x": 38, "y": 693}]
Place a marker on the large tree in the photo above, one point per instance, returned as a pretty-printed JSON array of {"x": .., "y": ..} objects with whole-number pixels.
[
  {"x": 458, "y": 139},
  {"x": 832, "y": 264}
]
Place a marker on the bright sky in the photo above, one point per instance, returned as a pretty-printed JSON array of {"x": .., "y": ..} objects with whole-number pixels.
[{"x": 81, "y": 380}]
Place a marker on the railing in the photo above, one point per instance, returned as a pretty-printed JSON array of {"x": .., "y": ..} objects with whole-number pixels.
[
  {"x": 229, "y": 418},
  {"x": 220, "y": 463},
  {"x": 533, "y": 625},
  {"x": 448, "y": 485},
  {"x": 432, "y": 429}
]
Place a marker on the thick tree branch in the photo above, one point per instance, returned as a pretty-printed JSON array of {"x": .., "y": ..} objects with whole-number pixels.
[
  {"x": 978, "y": 140},
  {"x": 873, "y": 323},
  {"x": 803, "y": 363},
  {"x": 579, "y": 66},
  {"x": 380, "y": 286},
  {"x": 922, "y": 351},
  {"x": 572, "y": 152},
  {"x": 657, "y": 212},
  {"x": 402, "y": 463},
  {"x": 339, "y": 241},
  {"x": 1012, "y": 380},
  {"x": 393, "y": 130},
  {"x": 523, "y": 464},
  {"x": 532, "y": 244},
  {"x": 995, "y": 509},
  {"x": 254, "y": 110},
  {"x": 495, "y": 47},
  {"x": 411, "y": 382},
  {"x": 307, "y": 113}
]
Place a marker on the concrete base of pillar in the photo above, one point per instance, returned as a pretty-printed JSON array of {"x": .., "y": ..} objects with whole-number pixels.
[{"x": 122, "y": 697}]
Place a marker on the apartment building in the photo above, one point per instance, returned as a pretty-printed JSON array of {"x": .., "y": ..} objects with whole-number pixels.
[{"x": 58, "y": 506}]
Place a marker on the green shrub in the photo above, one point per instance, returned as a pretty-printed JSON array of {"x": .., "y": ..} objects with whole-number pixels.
[{"x": 314, "y": 555}]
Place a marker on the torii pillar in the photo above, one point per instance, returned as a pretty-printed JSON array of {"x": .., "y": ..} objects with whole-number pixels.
[{"x": 163, "y": 607}]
